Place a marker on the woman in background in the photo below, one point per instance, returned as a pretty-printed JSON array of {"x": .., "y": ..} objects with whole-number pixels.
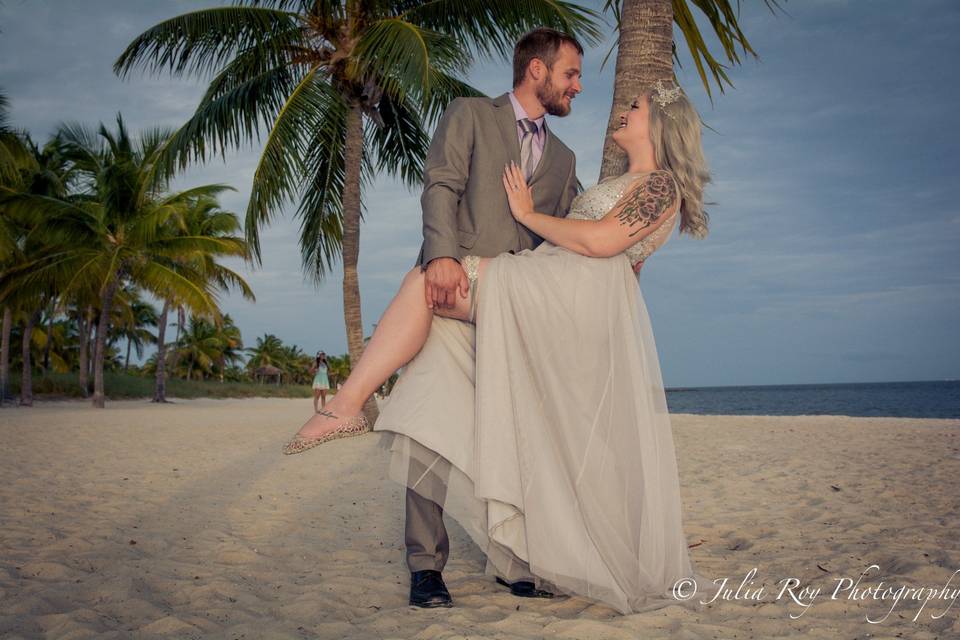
[{"x": 321, "y": 381}]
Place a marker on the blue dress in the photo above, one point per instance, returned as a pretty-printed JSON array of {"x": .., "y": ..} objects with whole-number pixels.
[{"x": 320, "y": 380}]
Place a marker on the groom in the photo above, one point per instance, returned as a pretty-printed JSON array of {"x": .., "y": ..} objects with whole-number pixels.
[{"x": 465, "y": 212}]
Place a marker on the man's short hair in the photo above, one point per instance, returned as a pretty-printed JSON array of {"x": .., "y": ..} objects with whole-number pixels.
[{"x": 543, "y": 43}]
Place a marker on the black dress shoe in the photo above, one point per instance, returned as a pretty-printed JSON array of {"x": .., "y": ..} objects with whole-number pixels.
[
  {"x": 428, "y": 591},
  {"x": 525, "y": 589}
]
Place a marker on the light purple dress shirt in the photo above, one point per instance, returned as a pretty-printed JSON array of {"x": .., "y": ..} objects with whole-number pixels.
[{"x": 539, "y": 137}]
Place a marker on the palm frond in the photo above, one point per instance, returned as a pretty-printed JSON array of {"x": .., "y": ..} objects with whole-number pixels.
[
  {"x": 492, "y": 27},
  {"x": 320, "y": 211},
  {"x": 445, "y": 88},
  {"x": 194, "y": 193},
  {"x": 181, "y": 284},
  {"x": 258, "y": 60},
  {"x": 286, "y": 5},
  {"x": 187, "y": 247},
  {"x": 401, "y": 143},
  {"x": 4, "y": 111},
  {"x": 65, "y": 270},
  {"x": 309, "y": 112},
  {"x": 230, "y": 119},
  {"x": 399, "y": 56},
  {"x": 200, "y": 42},
  {"x": 229, "y": 279},
  {"x": 16, "y": 157},
  {"x": 47, "y": 214},
  {"x": 82, "y": 146}
]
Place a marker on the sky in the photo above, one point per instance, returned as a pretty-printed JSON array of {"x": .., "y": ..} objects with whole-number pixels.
[{"x": 835, "y": 225}]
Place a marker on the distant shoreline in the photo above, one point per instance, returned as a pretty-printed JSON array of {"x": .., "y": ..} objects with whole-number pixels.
[
  {"x": 915, "y": 399},
  {"x": 903, "y": 400},
  {"x": 807, "y": 384}
]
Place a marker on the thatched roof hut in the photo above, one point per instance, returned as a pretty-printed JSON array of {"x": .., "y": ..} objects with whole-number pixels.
[{"x": 268, "y": 371}]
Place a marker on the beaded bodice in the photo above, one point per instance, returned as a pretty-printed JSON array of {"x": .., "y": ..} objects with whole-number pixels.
[{"x": 596, "y": 202}]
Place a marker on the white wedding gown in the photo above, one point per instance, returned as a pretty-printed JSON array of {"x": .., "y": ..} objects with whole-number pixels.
[{"x": 555, "y": 446}]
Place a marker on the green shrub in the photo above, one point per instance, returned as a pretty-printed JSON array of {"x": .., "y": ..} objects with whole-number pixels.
[{"x": 119, "y": 386}]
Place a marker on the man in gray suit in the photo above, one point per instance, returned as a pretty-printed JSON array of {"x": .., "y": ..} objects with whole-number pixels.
[{"x": 465, "y": 212}]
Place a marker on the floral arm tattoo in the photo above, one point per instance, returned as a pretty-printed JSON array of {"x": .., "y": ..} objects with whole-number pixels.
[{"x": 648, "y": 201}]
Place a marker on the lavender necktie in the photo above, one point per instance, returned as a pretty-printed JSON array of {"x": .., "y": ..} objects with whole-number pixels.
[{"x": 526, "y": 147}]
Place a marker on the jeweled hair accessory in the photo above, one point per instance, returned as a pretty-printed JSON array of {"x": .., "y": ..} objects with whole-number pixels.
[{"x": 664, "y": 96}]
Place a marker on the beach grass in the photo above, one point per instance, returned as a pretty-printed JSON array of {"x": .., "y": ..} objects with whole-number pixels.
[{"x": 126, "y": 386}]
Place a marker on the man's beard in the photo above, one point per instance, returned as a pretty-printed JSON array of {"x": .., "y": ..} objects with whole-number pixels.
[{"x": 552, "y": 99}]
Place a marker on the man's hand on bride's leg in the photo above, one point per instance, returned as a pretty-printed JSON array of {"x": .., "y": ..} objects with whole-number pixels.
[
  {"x": 462, "y": 304},
  {"x": 445, "y": 283}
]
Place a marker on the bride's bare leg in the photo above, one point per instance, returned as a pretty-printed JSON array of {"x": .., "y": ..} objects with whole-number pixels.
[{"x": 399, "y": 336}]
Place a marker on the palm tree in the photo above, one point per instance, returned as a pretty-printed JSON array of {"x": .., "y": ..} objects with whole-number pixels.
[
  {"x": 54, "y": 336},
  {"x": 297, "y": 364},
  {"x": 203, "y": 218},
  {"x": 6, "y": 327},
  {"x": 14, "y": 157},
  {"x": 269, "y": 351},
  {"x": 27, "y": 303},
  {"x": 134, "y": 318},
  {"x": 86, "y": 310},
  {"x": 198, "y": 349},
  {"x": 231, "y": 346},
  {"x": 646, "y": 52},
  {"x": 16, "y": 164},
  {"x": 14, "y": 151},
  {"x": 338, "y": 369},
  {"x": 346, "y": 89},
  {"x": 22, "y": 240}
]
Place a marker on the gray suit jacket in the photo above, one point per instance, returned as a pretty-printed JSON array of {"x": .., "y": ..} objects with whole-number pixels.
[{"x": 465, "y": 208}]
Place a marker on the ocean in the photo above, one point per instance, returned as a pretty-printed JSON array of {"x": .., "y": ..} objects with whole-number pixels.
[{"x": 935, "y": 399}]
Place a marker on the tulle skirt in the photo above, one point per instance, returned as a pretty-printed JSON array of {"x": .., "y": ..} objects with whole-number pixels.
[{"x": 545, "y": 432}]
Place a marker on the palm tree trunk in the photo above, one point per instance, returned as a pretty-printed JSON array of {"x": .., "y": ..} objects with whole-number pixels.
[
  {"x": 353, "y": 161},
  {"x": 645, "y": 55},
  {"x": 181, "y": 320},
  {"x": 86, "y": 319},
  {"x": 126, "y": 363},
  {"x": 91, "y": 342},
  {"x": 160, "y": 389},
  {"x": 5, "y": 353},
  {"x": 46, "y": 347},
  {"x": 26, "y": 384},
  {"x": 101, "y": 346}
]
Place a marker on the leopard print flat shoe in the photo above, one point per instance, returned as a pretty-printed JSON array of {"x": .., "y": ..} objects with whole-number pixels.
[{"x": 355, "y": 426}]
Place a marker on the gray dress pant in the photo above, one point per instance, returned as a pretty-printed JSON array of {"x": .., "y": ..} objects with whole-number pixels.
[
  {"x": 425, "y": 536},
  {"x": 445, "y": 366},
  {"x": 428, "y": 546}
]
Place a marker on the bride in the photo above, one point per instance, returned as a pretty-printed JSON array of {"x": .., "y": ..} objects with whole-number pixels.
[{"x": 569, "y": 470}]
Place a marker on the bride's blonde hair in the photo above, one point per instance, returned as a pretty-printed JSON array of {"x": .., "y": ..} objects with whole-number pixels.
[{"x": 675, "y": 134}]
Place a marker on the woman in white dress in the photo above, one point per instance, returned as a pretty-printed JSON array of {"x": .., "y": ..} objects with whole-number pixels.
[{"x": 570, "y": 471}]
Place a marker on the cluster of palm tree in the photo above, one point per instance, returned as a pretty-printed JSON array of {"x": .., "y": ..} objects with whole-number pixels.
[
  {"x": 87, "y": 225},
  {"x": 203, "y": 350},
  {"x": 57, "y": 337}
]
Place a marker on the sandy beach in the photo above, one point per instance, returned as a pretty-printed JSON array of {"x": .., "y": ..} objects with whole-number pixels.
[{"x": 185, "y": 521}]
